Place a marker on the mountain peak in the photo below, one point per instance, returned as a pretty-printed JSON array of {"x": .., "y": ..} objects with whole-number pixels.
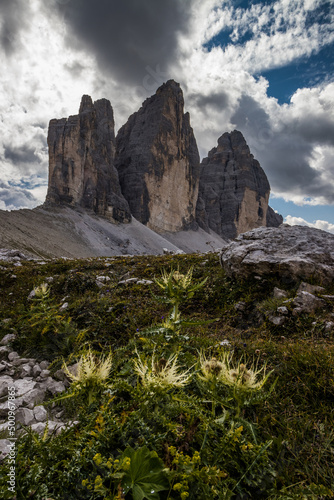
[{"x": 86, "y": 104}]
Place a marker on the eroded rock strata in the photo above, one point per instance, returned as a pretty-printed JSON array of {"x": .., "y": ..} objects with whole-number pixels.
[
  {"x": 233, "y": 190},
  {"x": 158, "y": 162},
  {"x": 81, "y": 161}
]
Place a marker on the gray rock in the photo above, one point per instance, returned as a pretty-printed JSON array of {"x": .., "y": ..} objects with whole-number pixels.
[
  {"x": 4, "y": 409},
  {"x": 81, "y": 162},
  {"x": 5, "y": 382},
  {"x": 25, "y": 416},
  {"x": 4, "y": 427},
  {"x": 40, "y": 414},
  {"x": 23, "y": 386},
  {"x": 328, "y": 297},
  {"x": 329, "y": 326},
  {"x": 104, "y": 279},
  {"x": 144, "y": 282},
  {"x": 279, "y": 294},
  {"x": 127, "y": 281},
  {"x": 158, "y": 162},
  {"x": 53, "y": 427},
  {"x": 31, "y": 295},
  {"x": 2, "y": 367},
  {"x": 5, "y": 446},
  {"x": 44, "y": 373},
  {"x": 306, "y": 287},
  {"x": 233, "y": 190},
  {"x": 53, "y": 386},
  {"x": 292, "y": 252},
  {"x": 277, "y": 320},
  {"x": 4, "y": 351},
  {"x": 32, "y": 397},
  {"x": 20, "y": 361},
  {"x": 60, "y": 375},
  {"x": 240, "y": 306},
  {"x": 13, "y": 355},
  {"x": 12, "y": 255},
  {"x": 25, "y": 371},
  {"x": 283, "y": 310},
  {"x": 36, "y": 370},
  {"x": 64, "y": 307},
  {"x": 305, "y": 302},
  {"x": 73, "y": 369},
  {"x": 8, "y": 338}
]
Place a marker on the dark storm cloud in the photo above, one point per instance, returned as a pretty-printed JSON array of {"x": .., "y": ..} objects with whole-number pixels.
[
  {"x": 128, "y": 36},
  {"x": 286, "y": 155},
  {"x": 14, "y": 16},
  {"x": 216, "y": 101},
  {"x": 317, "y": 129},
  {"x": 21, "y": 154}
]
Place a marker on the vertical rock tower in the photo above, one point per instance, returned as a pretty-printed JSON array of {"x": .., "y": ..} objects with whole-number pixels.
[
  {"x": 158, "y": 162},
  {"x": 233, "y": 190},
  {"x": 81, "y": 161}
]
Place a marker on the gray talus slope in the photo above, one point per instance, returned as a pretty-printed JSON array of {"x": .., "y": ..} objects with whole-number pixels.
[{"x": 76, "y": 233}]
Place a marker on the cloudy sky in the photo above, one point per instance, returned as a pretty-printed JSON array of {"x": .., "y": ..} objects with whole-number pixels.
[{"x": 263, "y": 67}]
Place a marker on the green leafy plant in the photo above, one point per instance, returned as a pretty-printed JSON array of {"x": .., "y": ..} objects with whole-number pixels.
[
  {"x": 177, "y": 288},
  {"x": 139, "y": 473},
  {"x": 45, "y": 330}
]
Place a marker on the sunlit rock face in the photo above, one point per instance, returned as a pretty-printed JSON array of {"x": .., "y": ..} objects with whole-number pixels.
[
  {"x": 233, "y": 190},
  {"x": 81, "y": 161},
  {"x": 158, "y": 162}
]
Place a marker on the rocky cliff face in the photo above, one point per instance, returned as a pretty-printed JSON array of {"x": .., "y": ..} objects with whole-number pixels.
[
  {"x": 233, "y": 190},
  {"x": 81, "y": 161},
  {"x": 158, "y": 162}
]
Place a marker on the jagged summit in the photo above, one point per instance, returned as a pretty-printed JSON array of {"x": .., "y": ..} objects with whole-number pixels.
[
  {"x": 233, "y": 190},
  {"x": 86, "y": 104},
  {"x": 81, "y": 161}
]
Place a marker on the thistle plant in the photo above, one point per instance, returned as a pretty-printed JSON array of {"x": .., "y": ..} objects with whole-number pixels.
[
  {"x": 243, "y": 381},
  {"x": 44, "y": 313},
  {"x": 90, "y": 380},
  {"x": 161, "y": 373},
  {"x": 178, "y": 288}
]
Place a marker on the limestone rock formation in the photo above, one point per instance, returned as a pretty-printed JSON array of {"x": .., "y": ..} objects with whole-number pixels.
[
  {"x": 233, "y": 190},
  {"x": 158, "y": 162},
  {"x": 81, "y": 161},
  {"x": 292, "y": 252}
]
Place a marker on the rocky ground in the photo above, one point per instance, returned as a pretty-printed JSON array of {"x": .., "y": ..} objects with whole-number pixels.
[{"x": 33, "y": 385}]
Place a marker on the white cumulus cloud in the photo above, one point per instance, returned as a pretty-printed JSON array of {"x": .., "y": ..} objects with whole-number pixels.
[{"x": 318, "y": 224}]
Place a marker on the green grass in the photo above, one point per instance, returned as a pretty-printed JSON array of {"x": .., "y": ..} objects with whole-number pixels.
[{"x": 294, "y": 454}]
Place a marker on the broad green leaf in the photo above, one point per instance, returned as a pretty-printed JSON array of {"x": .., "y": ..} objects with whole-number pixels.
[{"x": 145, "y": 477}]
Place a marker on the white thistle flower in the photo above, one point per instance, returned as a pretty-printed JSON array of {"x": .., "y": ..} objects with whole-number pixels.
[
  {"x": 162, "y": 373},
  {"x": 42, "y": 291},
  {"x": 239, "y": 377},
  {"x": 90, "y": 369},
  {"x": 247, "y": 379}
]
